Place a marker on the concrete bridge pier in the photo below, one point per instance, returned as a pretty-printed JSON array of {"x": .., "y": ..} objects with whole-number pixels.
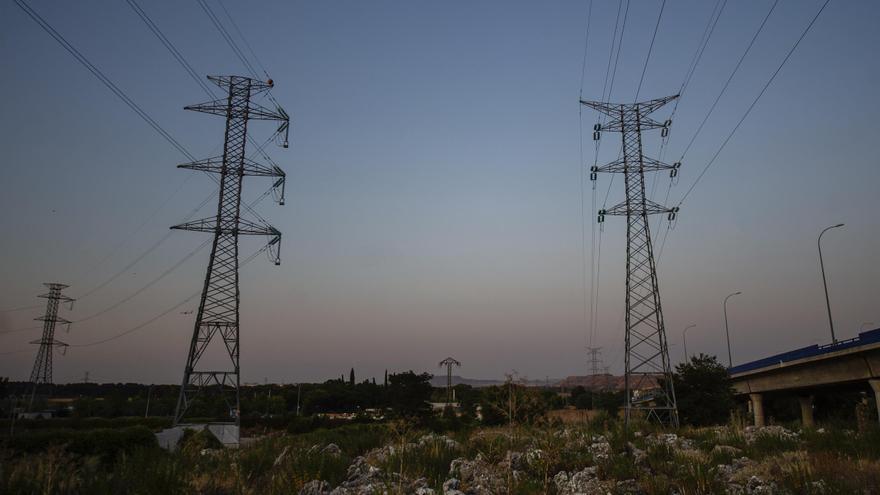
[
  {"x": 875, "y": 386},
  {"x": 757, "y": 403},
  {"x": 806, "y": 402}
]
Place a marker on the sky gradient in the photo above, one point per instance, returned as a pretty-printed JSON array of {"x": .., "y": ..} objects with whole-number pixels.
[{"x": 433, "y": 196}]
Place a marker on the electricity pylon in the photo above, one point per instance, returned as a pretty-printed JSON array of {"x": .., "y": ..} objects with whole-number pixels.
[
  {"x": 648, "y": 377},
  {"x": 594, "y": 364},
  {"x": 449, "y": 363},
  {"x": 218, "y": 307},
  {"x": 42, "y": 372}
]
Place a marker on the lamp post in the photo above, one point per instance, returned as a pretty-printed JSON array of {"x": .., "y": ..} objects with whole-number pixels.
[
  {"x": 684, "y": 341},
  {"x": 727, "y": 328},
  {"x": 824, "y": 282}
]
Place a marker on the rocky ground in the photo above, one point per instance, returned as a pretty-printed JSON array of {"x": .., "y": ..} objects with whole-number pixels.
[{"x": 715, "y": 460}]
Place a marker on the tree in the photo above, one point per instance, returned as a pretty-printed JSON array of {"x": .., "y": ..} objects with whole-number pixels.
[
  {"x": 514, "y": 401},
  {"x": 351, "y": 377},
  {"x": 408, "y": 393},
  {"x": 703, "y": 392}
]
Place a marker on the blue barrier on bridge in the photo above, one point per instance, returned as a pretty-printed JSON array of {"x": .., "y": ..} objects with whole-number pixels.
[{"x": 864, "y": 338}]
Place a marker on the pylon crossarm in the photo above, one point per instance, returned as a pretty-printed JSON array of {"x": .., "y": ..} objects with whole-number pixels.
[
  {"x": 259, "y": 112},
  {"x": 611, "y": 110},
  {"x": 619, "y": 166},
  {"x": 249, "y": 167},
  {"x": 56, "y": 319},
  {"x": 252, "y": 112},
  {"x": 61, "y": 297},
  {"x": 647, "y": 107},
  {"x": 256, "y": 86},
  {"x": 245, "y": 227},
  {"x": 649, "y": 208}
]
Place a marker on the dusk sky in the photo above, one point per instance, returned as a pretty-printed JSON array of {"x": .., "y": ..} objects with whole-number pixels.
[{"x": 433, "y": 196}]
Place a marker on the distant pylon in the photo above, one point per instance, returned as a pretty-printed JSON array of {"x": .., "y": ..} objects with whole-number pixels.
[
  {"x": 606, "y": 370},
  {"x": 218, "y": 307},
  {"x": 648, "y": 375},
  {"x": 595, "y": 361},
  {"x": 449, "y": 363},
  {"x": 42, "y": 371}
]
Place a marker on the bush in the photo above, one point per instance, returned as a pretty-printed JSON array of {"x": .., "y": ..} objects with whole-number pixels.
[
  {"x": 104, "y": 442},
  {"x": 703, "y": 391},
  {"x": 153, "y": 423}
]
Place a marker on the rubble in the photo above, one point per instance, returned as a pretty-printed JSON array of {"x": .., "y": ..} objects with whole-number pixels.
[
  {"x": 600, "y": 449},
  {"x": 477, "y": 477},
  {"x": 584, "y": 482},
  {"x": 751, "y": 433},
  {"x": 315, "y": 487}
]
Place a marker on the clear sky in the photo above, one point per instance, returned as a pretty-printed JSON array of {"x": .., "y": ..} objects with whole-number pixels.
[{"x": 433, "y": 198}]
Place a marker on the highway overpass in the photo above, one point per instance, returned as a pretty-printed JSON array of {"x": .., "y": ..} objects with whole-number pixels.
[{"x": 806, "y": 371}]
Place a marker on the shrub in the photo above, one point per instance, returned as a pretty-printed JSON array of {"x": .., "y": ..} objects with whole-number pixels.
[{"x": 103, "y": 442}]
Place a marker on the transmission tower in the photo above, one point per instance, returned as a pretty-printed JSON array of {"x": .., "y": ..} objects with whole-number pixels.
[
  {"x": 42, "y": 372},
  {"x": 217, "y": 316},
  {"x": 648, "y": 376},
  {"x": 595, "y": 361},
  {"x": 449, "y": 363},
  {"x": 606, "y": 370}
]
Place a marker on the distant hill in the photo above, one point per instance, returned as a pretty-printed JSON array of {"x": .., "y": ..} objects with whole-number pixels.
[
  {"x": 439, "y": 380},
  {"x": 597, "y": 382}
]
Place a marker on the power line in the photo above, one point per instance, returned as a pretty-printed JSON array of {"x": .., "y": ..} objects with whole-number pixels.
[
  {"x": 188, "y": 68},
  {"x": 131, "y": 104},
  {"x": 586, "y": 47},
  {"x": 226, "y": 36},
  {"x": 20, "y": 308},
  {"x": 709, "y": 113},
  {"x": 711, "y": 23},
  {"x": 115, "y": 89},
  {"x": 729, "y": 79},
  {"x": 581, "y": 166},
  {"x": 594, "y": 275},
  {"x": 149, "y": 284},
  {"x": 170, "y": 46},
  {"x": 143, "y": 255},
  {"x": 755, "y": 101},
  {"x": 241, "y": 35},
  {"x": 650, "y": 49},
  {"x": 4, "y": 332},
  {"x": 100, "y": 76},
  {"x": 169, "y": 310},
  {"x": 165, "y": 273}
]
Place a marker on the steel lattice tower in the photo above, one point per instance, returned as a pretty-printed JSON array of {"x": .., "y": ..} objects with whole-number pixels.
[
  {"x": 218, "y": 316},
  {"x": 647, "y": 354},
  {"x": 449, "y": 363},
  {"x": 594, "y": 364},
  {"x": 42, "y": 372}
]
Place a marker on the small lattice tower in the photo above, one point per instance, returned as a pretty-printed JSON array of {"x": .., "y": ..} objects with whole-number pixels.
[
  {"x": 449, "y": 363},
  {"x": 42, "y": 371}
]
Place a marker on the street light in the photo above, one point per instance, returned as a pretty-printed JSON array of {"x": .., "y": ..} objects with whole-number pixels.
[
  {"x": 684, "y": 340},
  {"x": 824, "y": 282},
  {"x": 727, "y": 328}
]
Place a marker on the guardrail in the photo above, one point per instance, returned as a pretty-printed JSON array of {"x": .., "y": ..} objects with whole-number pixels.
[{"x": 864, "y": 338}]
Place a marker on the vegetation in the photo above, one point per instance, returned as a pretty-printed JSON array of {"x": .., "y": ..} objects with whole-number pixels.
[
  {"x": 526, "y": 458},
  {"x": 499, "y": 440},
  {"x": 703, "y": 392}
]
